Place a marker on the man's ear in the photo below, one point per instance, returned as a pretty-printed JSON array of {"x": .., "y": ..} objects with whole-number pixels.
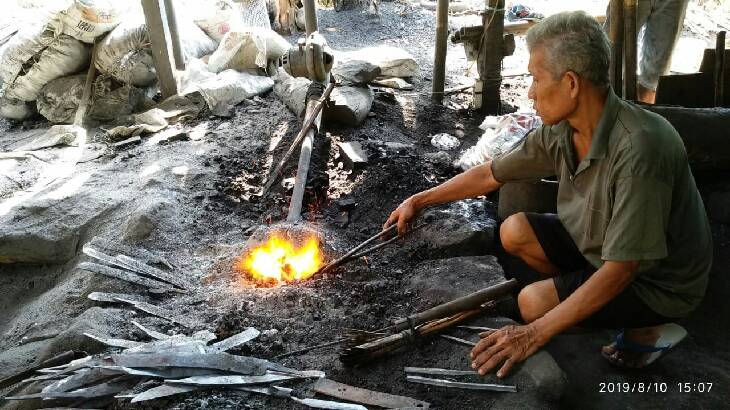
[{"x": 573, "y": 82}]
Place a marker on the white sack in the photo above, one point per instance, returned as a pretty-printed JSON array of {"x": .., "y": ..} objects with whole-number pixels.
[
  {"x": 393, "y": 61},
  {"x": 86, "y": 20},
  {"x": 247, "y": 50},
  {"x": 227, "y": 88}
]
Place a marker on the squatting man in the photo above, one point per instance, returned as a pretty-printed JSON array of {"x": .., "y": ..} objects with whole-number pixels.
[{"x": 630, "y": 247}]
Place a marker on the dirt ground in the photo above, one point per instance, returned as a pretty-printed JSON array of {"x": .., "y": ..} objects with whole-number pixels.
[{"x": 201, "y": 193}]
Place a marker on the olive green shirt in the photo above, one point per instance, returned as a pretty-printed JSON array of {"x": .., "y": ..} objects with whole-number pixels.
[{"x": 632, "y": 198}]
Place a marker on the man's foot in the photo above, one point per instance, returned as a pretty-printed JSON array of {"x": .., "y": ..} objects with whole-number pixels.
[{"x": 636, "y": 348}]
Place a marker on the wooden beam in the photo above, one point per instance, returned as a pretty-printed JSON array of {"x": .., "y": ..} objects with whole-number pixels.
[
  {"x": 616, "y": 35},
  {"x": 720, "y": 69},
  {"x": 160, "y": 43},
  {"x": 630, "y": 31},
  {"x": 491, "y": 53},
  {"x": 175, "y": 43}
]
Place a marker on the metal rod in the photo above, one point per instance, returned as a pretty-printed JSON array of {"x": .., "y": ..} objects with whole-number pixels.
[
  {"x": 308, "y": 122},
  {"x": 461, "y": 385},
  {"x": 305, "y": 155},
  {"x": 630, "y": 31},
  {"x": 380, "y": 245},
  {"x": 470, "y": 301},
  {"x": 439, "y": 60},
  {"x": 356, "y": 249},
  {"x": 310, "y": 16},
  {"x": 177, "y": 52},
  {"x": 459, "y": 340},
  {"x": 720, "y": 69},
  {"x": 616, "y": 34}
]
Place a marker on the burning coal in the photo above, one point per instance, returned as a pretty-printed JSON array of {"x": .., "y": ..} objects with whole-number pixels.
[{"x": 279, "y": 260}]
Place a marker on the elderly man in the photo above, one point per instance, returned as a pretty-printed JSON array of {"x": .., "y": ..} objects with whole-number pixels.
[{"x": 630, "y": 246}]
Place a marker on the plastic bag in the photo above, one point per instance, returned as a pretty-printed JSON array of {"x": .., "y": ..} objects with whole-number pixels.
[{"x": 501, "y": 133}]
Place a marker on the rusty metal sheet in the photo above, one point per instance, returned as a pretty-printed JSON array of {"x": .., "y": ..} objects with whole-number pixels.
[
  {"x": 165, "y": 390},
  {"x": 235, "y": 340},
  {"x": 364, "y": 396},
  {"x": 232, "y": 380},
  {"x": 120, "y": 274},
  {"x": 461, "y": 385},
  {"x": 112, "y": 342},
  {"x": 439, "y": 372},
  {"x": 157, "y": 311},
  {"x": 149, "y": 332},
  {"x": 218, "y": 361}
]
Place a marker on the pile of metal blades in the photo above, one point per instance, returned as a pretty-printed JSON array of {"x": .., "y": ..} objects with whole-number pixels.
[{"x": 174, "y": 364}]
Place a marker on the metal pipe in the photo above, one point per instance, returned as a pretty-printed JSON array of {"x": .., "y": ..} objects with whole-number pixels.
[
  {"x": 310, "y": 16},
  {"x": 305, "y": 155},
  {"x": 720, "y": 69},
  {"x": 439, "y": 60},
  {"x": 177, "y": 52},
  {"x": 616, "y": 34},
  {"x": 630, "y": 32}
]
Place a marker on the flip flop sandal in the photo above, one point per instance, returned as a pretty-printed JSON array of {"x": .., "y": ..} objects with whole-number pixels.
[{"x": 669, "y": 336}]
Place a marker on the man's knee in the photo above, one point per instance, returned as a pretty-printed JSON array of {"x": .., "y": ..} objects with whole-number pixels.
[
  {"x": 536, "y": 299},
  {"x": 512, "y": 233}
]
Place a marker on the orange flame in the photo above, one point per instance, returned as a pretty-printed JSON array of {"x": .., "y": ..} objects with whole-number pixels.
[{"x": 279, "y": 261}]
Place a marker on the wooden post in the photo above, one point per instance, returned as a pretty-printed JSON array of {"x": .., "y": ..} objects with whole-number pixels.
[
  {"x": 491, "y": 53},
  {"x": 177, "y": 52},
  {"x": 160, "y": 41},
  {"x": 439, "y": 60},
  {"x": 720, "y": 69},
  {"x": 616, "y": 34},
  {"x": 630, "y": 31}
]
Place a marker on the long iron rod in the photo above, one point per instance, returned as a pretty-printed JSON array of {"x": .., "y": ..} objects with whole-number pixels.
[
  {"x": 310, "y": 16},
  {"x": 305, "y": 155}
]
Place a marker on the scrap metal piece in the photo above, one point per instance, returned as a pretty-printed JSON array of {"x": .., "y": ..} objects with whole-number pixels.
[
  {"x": 55, "y": 361},
  {"x": 439, "y": 372},
  {"x": 461, "y": 385},
  {"x": 165, "y": 390},
  {"x": 80, "y": 379},
  {"x": 124, "y": 275},
  {"x": 125, "y": 262},
  {"x": 156, "y": 311},
  {"x": 100, "y": 390},
  {"x": 175, "y": 344},
  {"x": 459, "y": 341},
  {"x": 232, "y": 380},
  {"x": 137, "y": 252},
  {"x": 112, "y": 342},
  {"x": 218, "y": 361},
  {"x": 170, "y": 372},
  {"x": 364, "y": 396},
  {"x": 477, "y": 328},
  {"x": 110, "y": 297},
  {"x": 149, "y": 332},
  {"x": 326, "y": 404},
  {"x": 306, "y": 374},
  {"x": 235, "y": 340}
]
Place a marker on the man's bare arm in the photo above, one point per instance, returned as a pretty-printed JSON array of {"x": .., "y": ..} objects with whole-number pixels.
[
  {"x": 469, "y": 184},
  {"x": 513, "y": 344}
]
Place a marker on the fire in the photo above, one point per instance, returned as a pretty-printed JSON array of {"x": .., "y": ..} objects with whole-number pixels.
[{"x": 278, "y": 260}]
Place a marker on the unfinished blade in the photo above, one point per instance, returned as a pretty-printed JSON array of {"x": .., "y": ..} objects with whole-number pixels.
[
  {"x": 165, "y": 390},
  {"x": 111, "y": 297},
  {"x": 218, "y": 361},
  {"x": 359, "y": 395},
  {"x": 54, "y": 362},
  {"x": 440, "y": 372},
  {"x": 331, "y": 405},
  {"x": 124, "y": 275},
  {"x": 179, "y": 345},
  {"x": 157, "y": 311},
  {"x": 112, "y": 342},
  {"x": 109, "y": 388},
  {"x": 158, "y": 274},
  {"x": 171, "y": 372},
  {"x": 137, "y": 252},
  {"x": 149, "y": 332},
  {"x": 476, "y": 328},
  {"x": 232, "y": 380},
  {"x": 81, "y": 379},
  {"x": 235, "y": 340},
  {"x": 461, "y": 385}
]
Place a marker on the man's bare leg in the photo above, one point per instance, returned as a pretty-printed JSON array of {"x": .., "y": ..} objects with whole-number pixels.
[{"x": 519, "y": 239}]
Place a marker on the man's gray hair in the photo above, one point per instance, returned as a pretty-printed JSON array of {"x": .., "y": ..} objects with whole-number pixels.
[{"x": 573, "y": 41}]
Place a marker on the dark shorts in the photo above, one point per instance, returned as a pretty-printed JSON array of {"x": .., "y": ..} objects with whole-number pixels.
[{"x": 625, "y": 310}]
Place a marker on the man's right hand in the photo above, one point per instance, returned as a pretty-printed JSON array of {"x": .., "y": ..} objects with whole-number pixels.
[{"x": 403, "y": 215}]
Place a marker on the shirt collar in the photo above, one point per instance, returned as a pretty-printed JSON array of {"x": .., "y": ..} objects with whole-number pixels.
[{"x": 599, "y": 145}]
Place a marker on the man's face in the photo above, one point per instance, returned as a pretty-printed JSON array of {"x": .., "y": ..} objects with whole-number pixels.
[{"x": 553, "y": 99}]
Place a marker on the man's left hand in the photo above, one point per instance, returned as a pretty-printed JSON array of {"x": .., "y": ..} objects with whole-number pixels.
[{"x": 508, "y": 345}]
